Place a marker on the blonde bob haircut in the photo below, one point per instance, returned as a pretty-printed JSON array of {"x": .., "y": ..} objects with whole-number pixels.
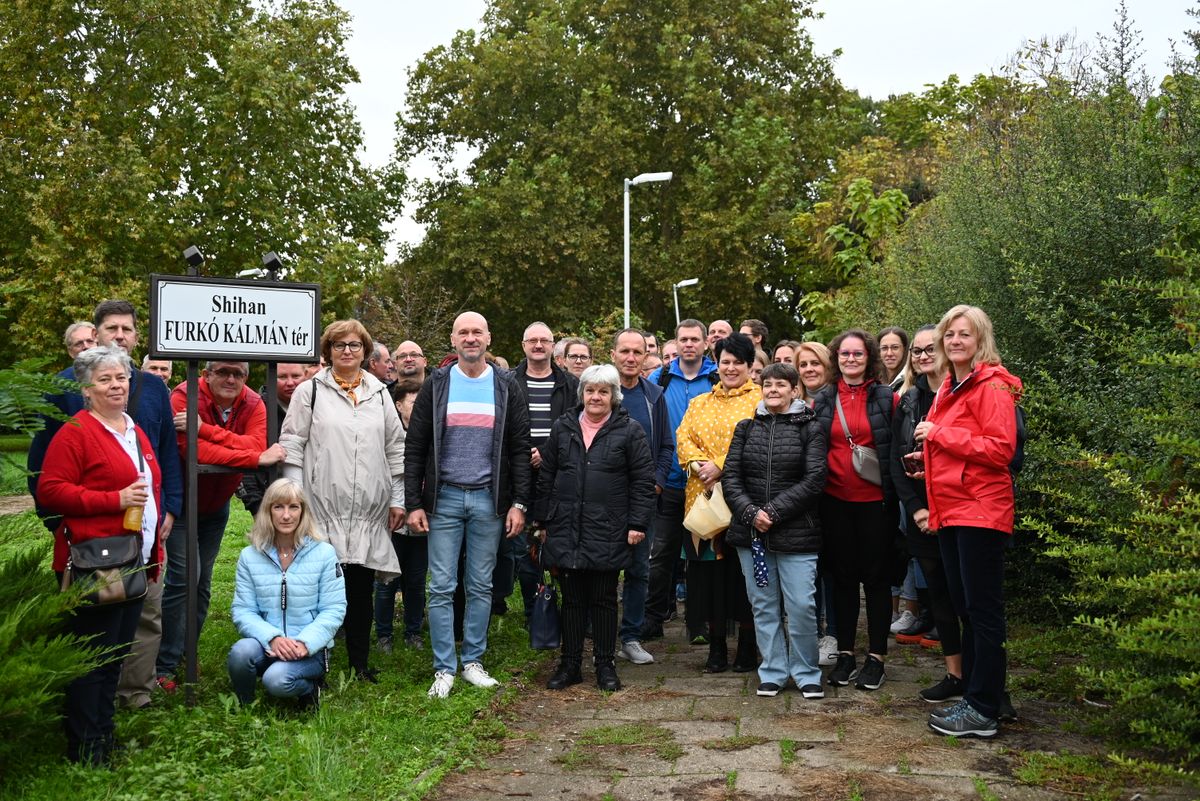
[
  {"x": 283, "y": 490},
  {"x": 340, "y": 329},
  {"x": 981, "y": 325},
  {"x": 821, "y": 353}
]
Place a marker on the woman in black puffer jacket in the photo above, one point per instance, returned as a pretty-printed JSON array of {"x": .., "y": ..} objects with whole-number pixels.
[
  {"x": 595, "y": 498},
  {"x": 774, "y": 476}
]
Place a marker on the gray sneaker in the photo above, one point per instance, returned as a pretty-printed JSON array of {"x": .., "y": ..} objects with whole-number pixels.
[
  {"x": 964, "y": 721},
  {"x": 384, "y": 645},
  {"x": 635, "y": 653}
]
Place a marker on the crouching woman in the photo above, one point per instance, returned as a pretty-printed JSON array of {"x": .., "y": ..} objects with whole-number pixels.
[{"x": 288, "y": 601}]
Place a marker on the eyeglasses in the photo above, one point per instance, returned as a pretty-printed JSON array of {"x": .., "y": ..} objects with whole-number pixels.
[
  {"x": 851, "y": 354},
  {"x": 542, "y": 342},
  {"x": 928, "y": 350},
  {"x": 406, "y": 356},
  {"x": 353, "y": 347},
  {"x": 225, "y": 373},
  {"x": 579, "y": 357}
]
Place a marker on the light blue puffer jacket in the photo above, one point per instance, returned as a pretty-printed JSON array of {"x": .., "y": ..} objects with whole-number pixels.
[{"x": 315, "y": 593}]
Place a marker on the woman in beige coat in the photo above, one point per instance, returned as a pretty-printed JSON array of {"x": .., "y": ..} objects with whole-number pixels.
[{"x": 345, "y": 444}]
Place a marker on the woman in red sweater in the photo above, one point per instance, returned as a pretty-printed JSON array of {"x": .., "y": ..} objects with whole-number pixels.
[
  {"x": 968, "y": 441},
  {"x": 95, "y": 470}
]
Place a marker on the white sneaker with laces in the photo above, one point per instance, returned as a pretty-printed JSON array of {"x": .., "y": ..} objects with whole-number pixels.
[
  {"x": 473, "y": 673},
  {"x": 827, "y": 648},
  {"x": 635, "y": 653},
  {"x": 443, "y": 680},
  {"x": 905, "y": 620}
]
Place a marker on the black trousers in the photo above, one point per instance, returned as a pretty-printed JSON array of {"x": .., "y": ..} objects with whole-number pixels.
[
  {"x": 664, "y": 555},
  {"x": 589, "y": 593},
  {"x": 717, "y": 594},
  {"x": 89, "y": 699},
  {"x": 941, "y": 605},
  {"x": 858, "y": 548},
  {"x": 974, "y": 563},
  {"x": 360, "y": 612}
]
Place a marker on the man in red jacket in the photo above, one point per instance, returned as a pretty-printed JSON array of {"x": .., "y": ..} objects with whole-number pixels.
[{"x": 233, "y": 433}]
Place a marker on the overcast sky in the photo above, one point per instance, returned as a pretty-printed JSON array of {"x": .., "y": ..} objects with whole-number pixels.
[{"x": 888, "y": 47}]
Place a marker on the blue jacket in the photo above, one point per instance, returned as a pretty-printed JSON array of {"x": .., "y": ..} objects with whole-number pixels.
[
  {"x": 679, "y": 392},
  {"x": 660, "y": 437},
  {"x": 316, "y": 595},
  {"x": 153, "y": 415}
]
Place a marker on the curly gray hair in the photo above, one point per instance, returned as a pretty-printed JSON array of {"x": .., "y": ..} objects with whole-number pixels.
[
  {"x": 98, "y": 358},
  {"x": 602, "y": 374}
]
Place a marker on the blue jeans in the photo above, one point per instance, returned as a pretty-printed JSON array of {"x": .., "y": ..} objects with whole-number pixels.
[
  {"x": 413, "y": 554},
  {"x": 470, "y": 515},
  {"x": 210, "y": 529},
  {"x": 792, "y": 576},
  {"x": 637, "y": 585},
  {"x": 247, "y": 661}
]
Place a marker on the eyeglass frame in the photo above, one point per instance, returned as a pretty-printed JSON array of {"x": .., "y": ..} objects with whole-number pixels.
[{"x": 354, "y": 346}]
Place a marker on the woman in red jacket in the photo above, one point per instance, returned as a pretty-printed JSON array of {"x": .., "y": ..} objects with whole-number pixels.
[
  {"x": 968, "y": 441},
  {"x": 95, "y": 470}
]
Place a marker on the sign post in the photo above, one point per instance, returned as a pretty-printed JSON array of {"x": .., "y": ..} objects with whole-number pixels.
[{"x": 193, "y": 318}]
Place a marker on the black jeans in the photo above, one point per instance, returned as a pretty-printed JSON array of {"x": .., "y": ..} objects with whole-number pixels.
[
  {"x": 664, "y": 555},
  {"x": 89, "y": 699},
  {"x": 589, "y": 594},
  {"x": 413, "y": 553},
  {"x": 360, "y": 611},
  {"x": 974, "y": 562},
  {"x": 858, "y": 549},
  {"x": 941, "y": 605}
]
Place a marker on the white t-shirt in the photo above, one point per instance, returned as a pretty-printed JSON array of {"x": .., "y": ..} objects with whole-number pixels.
[{"x": 129, "y": 442}]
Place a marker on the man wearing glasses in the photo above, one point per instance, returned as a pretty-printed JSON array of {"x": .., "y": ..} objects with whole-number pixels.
[
  {"x": 410, "y": 361},
  {"x": 232, "y": 432}
]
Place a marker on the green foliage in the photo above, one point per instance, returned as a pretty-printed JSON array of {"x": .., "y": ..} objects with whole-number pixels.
[{"x": 23, "y": 390}]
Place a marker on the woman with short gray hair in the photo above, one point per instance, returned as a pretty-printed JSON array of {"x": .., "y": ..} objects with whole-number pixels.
[{"x": 595, "y": 500}]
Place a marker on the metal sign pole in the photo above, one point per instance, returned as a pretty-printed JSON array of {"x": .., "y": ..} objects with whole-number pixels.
[{"x": 192, "y": 551}]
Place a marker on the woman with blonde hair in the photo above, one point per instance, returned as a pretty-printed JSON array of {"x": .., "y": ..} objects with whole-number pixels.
[
  {"x": 811, "y": 360},
  {"x": 288, "y": 600}
]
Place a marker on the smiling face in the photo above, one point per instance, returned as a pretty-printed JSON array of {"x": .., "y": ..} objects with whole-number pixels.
[
  {"x": 225, "y": 380},
  {"x": 891, "y": 352},
  {"x": 597, "y": 401},
  {"x": 158, "y": 367},
  {"x": 812, "y": 371},
  {"x": 81, "y": 339},
  {"x": 777, "y": 395},
  {"x": 961, "y": 343},
  {"x": 734, "y": 372},
  {"x": 784, "y": 354},
  {"x": 538, "y": 344},
  {"x": 108, "y": 390},
  {"x": 852, "y": 360},
  {"x": 470, "y": 337},
  {"x": 718, "y": 331},
  {"x": 923, "y": 352}
]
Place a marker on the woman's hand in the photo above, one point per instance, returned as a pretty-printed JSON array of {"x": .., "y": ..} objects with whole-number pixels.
[
  {"x": 762, "y": 521},
  {"x": 921, "y": 518},
  {"x": 709, "y": 473},
  {"x": 922, "y": 431},
  {"x": 288, "y": 649},
  {"x": 635, "y": 537},
  {"x": 134, "y": 495},
  {"x": 395, "y": 517}
]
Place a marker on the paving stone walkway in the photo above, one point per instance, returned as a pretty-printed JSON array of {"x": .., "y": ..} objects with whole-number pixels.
[{"x": 675, "y": 732}]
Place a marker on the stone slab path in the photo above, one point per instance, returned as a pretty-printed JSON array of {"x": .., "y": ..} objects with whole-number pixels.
[{"x": 675, "y": 732}]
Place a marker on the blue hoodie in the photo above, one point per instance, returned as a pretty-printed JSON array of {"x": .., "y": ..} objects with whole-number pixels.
[{"x": 679, "y": 392}]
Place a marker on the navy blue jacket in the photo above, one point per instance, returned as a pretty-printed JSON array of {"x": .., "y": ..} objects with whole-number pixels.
[{"x": 659, "y": 437}]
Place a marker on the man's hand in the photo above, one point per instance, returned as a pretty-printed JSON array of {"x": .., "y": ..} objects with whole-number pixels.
[
  {"x": 166, "y": 528},
  {"x": 181, "y": 421},
  {"x": 418, "y": 523},
  {"x": 535, "y": 458},
  {"x": 272, "y": 455},
  {"x": 289, "y": 650},
  {"x": 514, "y": 523},
  {"x": 395, "y": 517}
]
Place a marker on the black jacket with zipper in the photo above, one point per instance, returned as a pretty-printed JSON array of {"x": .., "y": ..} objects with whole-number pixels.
[{"x": 913, "y": 408}]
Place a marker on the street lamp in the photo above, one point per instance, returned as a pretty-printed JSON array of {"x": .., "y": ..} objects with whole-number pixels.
[
  {"x": 644, "y": 178},
  {"x": 675, "y": 291}
]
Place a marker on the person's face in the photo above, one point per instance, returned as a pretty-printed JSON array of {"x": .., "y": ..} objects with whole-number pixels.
[
  {"x": 923, "y": 353},
  {"x": 891, "y": 352},
  {"x": 748, "y": 331},
  {"x": 960, "y": 343},
  {"x": 718, "y": 331},
  {"x": 538, "y": 344},
  {"x": 287, "y": 378},
  {"x": 108, "y": 390},
  {"x": 470, "y": 338},
  {"x": 405, "y": 406},
  {"x": 651, "y": 364},
  {"x": 852, "y": 360},
  {"x": 286, "y": 516},
  {"x": 812, "y": 372},
  {"x": 410, "y": 360},
  {"x": 652, "y": 344},
  {"x": 777, "y": 395},
  {"x": 381, "y": 365},
  {"x": 756, "y": 372},
  {"x": 629, "y": 355},
  {"x": 732, "y": 371},
  {"x": 347, "y": 353},
  {"x": 158, "y": 367},
  {"x": 312, "y": 369},
  {"x": 670, "y": 352},
  {"x": 117, "y": 329},
  {"x": 578, "y": 359},
  {"x": 597, "y": 401},
  {"x": 81, "y": 340},
  {"x": 691, "y": 344},
  {"x": 784, "y": 354},
  {"x": 226, "y": 380}
]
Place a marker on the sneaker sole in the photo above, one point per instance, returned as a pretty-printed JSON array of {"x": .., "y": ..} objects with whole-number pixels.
[
  {"x": 838, "y": 683},
  {"x": 647, "y": 661},
  {"x": 812, "y": 696},
  {"x": 767, "y": 693},
  {"x": 864, "y": 686},
  {"x": 941, "y": 700},
  {"x": 969, "y": 733},
  {"x": 908, "y": 639}
]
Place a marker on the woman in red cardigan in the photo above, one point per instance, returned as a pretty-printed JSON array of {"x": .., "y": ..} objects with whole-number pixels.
[{"x": 95, "y": 469}]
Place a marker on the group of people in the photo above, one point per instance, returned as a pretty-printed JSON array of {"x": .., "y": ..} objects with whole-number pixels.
[{"x": 831, "y": 459}]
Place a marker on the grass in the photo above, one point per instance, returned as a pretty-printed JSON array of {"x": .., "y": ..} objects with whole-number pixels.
[
  {"x": 983, "y": 791},
  {"x": 1092, "y": 778},
  {"x": 589, "y": 749},
  {"x": 12, "y": 473},
  {"x": 385, "y": 741},
  {"x": 787, "y": 752},
  {"x": 734, "y": 743}
]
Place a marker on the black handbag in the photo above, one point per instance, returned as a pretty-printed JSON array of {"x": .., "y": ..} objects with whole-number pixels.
[
  {"x": 545, "y": 631},
  {"x": 109, "y": 569}
]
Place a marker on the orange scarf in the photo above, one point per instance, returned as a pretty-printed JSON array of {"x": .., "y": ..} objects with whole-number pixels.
[{"x": 349, "y": 386}]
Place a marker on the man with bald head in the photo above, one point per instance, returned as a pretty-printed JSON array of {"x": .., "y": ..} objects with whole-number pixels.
[
  {"x": 717, "y": 330},
  {"x": 410, "y": 361},
  {"x": 466, "y": 479}
]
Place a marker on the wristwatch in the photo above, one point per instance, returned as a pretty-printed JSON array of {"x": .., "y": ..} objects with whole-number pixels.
[{"x": 522, "y": 508}]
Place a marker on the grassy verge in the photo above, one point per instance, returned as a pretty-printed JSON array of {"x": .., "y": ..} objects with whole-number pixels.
[
  {"x": 385, "y": 741},
  {"x": 12, "y": 473}
]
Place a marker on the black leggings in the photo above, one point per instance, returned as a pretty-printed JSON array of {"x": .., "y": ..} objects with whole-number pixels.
[
  {"x": 360, "y": 612},
  {"x": 941, "y": 605},
  {"x": 858, "y": 546},
  {"x": 589, "y": 594}
]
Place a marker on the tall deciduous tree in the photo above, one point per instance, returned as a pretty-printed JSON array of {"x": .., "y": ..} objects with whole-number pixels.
[
  {"x": 130, "y": 130},
  {"x": 557, "y": 102}
]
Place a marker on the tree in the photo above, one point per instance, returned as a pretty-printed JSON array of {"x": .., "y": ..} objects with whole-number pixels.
[
  {"x": 558, "y": 102},
  {"x": 132, "y": 130}
]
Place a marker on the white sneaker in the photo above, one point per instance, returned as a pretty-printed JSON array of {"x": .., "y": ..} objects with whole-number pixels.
[
  {"x": 443, "y": 680},
  {"x": 635, "y": 653},
  {"x": 905, "y": 620},
  {"x": 473, "y": 673},
  {"x": 828, "y": 650}
]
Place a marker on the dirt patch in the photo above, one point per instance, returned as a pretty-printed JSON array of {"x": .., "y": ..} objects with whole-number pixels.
[{"x": 15, "y": 504}]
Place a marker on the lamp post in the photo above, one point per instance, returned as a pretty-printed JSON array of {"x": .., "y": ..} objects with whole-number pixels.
[
  {"x": 675, "y": 291},
  {"x": 644, "y": 178}
]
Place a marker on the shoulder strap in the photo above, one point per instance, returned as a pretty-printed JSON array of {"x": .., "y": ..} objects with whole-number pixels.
[
  {"x": 312, "y": 399},
  {"x": 664, "y": 376},
  {"x": 137, "y": 392},
  {"x": 837, "y": 403}
]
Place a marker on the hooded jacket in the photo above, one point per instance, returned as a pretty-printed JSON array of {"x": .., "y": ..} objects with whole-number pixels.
[
  {"x": 590, "y": 498},
  {"x": 350, "y": 458},
  {"x": 236, "y": 443},
  {"x": 969, "y": 448},
  {"x": 777, "y": 462},
  {"x": 912, "y": 409}
]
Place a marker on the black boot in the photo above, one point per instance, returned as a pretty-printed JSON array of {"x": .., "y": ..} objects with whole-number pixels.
[
  {"x": 746, "y": 658},
  {"x": 718, "y": 656},
  {"x": 606, "y": 676},
  {"x": 566, "y": 675}
]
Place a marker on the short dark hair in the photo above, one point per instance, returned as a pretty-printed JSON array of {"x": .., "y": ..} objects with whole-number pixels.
[
  {"x": 402, "y": 389},
  {"x": 781, "y": 370},
  {"x": 737, "y": 345},
  {"x": 637, "y": 331},
  {"x": 111, "y": 308},
  {"x": 757, "y": 328},
  {"x": 692, "y": 322},
  {"x": 874, "y": 363}
]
